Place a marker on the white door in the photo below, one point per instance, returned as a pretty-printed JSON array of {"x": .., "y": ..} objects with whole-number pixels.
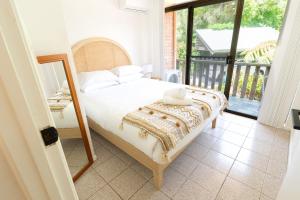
[{"x": 41, "y": 172}]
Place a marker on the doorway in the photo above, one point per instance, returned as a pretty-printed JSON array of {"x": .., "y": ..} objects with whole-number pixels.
[{"x": 224, "y": 45}]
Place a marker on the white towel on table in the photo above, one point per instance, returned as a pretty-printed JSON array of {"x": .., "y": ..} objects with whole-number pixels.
[
  {"x": 180, "y": 102},
  {"x": 177, "y": 93}
]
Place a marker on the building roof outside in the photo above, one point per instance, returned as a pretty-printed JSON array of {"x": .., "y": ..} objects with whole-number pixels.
[{"x": 218, "y": 41}]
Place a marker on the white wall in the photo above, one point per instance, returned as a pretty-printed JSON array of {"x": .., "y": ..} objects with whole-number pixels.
[{"x": 104, "y": 18}]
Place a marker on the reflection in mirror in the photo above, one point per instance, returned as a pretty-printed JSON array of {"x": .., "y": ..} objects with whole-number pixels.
[{"x": 61, "y": 104}]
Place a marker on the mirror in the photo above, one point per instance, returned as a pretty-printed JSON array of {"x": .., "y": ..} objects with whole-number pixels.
[{"x": 59, "y": 89}]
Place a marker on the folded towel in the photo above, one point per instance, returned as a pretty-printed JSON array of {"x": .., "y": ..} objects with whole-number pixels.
[
  {"x": 175, "y": 101},
  {"x": 178, "y": 93}
]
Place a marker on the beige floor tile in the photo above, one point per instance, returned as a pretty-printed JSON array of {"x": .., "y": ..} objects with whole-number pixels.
[
  {"x": 200, "y": 172},
  {"x": 258, "y": 127},
  {"x": 78, "y": 157},
  {"x": 277, "y": 168},
  {"x": 96, "y": 144},
  {"x": 208, "y": 178},
  {"x": 228, "y": 116},
  {"x": 173, "y": 180},
  {"x": 142, "y": 170},
  {"x": 262, "y": 133},
  {"x": 239, "y": 129},
  {"x": 185, "y": 164},
  {"x": 192, "y": 191},
  {"x": 218, "y": 161},
  {"x": 247, "y": 175},
  {"x": 111, "y": 168},
  {"x": 233, "y": 138},
  {"x": 102, "y": 155},
  {"x": 253, "y": 159},
  {"x": 282, "y": 139},
  {"x": 106, "y": 193},
  {"x": 279, "y": 154},
  {"x": 89, "y": 183},
  {"x": 264, "y": 197},
  {"x": 221, "y": 123},
  {"x": 127, "y": 159},
  {"x": 257, "y": 146},
  {"x": 206, "y": 140},
  {"x": 149, "y": 192},
  {"x": 196, "y": 151},
  {"x": 226, "y": 148},
  {"x": 128, "y": 183},
  {"x": 234, "y": 190},
  {"x": 243, "y": 121},
  {"x": 98, "y": 138},
  {"x": 112, "y": 148},
  {"x": 271, "y": 186},
  {"x": 69, "y": 145},
  {"x": 216, "y": 132}
]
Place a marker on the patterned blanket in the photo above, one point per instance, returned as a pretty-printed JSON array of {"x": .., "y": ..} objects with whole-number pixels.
[{"x": 171, "y": 123}]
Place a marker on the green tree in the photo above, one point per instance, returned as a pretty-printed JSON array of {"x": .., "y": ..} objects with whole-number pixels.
[{"x": 256, "y": 13}]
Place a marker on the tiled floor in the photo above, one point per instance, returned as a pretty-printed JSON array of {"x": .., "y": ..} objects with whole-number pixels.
[{"x": 239, "y": 160}]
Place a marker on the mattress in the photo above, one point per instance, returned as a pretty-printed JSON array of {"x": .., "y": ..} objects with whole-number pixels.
[{"x": 108, "y": 106}]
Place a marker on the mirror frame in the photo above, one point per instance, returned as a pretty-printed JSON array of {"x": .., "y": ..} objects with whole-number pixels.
[{"x": 64, "y": 59}]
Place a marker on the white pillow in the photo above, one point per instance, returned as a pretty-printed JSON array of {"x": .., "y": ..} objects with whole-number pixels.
[
  {"x": 94, "y": 78},
  {"x": 99, "y": 85},
  {"x": 126, "y": 70},
  {"x": 129, "y": 78}
]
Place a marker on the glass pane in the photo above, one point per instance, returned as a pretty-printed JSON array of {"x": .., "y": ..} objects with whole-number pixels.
[
  {"x": 257, "y": 41},
  {"x": 212, "y": 36},
  {"x": 175, "y": 45}
]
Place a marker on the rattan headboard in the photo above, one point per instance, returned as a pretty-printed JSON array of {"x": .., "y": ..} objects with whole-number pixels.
[{"x": 99, "y": 54}]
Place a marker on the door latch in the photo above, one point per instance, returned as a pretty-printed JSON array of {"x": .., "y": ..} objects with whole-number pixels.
[
  {"x": 230, "y": 60},
  {"x": 49, "y": 135}
]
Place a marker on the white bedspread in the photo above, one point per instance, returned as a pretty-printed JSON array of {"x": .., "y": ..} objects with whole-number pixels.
[{"x": 108, "y": 106}]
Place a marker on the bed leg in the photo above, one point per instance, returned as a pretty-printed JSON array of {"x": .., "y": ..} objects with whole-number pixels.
[
  {"x": 214, "y": 123},
  {"x": 158, "y": 177}
]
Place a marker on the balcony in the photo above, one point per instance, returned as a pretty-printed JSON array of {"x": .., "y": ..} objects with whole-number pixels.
[{"x": 248, "y": 81}]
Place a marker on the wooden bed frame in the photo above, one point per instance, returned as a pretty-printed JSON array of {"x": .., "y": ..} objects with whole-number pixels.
[{"x": 104, "y": 54}]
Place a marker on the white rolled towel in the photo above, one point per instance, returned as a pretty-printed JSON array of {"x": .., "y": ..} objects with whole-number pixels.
[
  {"x": 177, "y": 93},
  {"x": 175, "y": 101}
]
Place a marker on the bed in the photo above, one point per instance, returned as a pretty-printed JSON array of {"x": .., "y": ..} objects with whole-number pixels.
[{"x": 107, "y": 108}]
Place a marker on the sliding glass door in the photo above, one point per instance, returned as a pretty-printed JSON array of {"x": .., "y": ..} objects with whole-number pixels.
[
  {"x": 219, "y": 47},
  {"x": 211, "y": 44}
]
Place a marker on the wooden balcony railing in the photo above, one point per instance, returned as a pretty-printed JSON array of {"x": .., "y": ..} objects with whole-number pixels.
[{"x": 248, "y": 81}]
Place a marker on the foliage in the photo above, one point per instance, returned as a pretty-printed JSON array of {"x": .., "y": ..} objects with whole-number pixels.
[
  {"x": 263, "y": 13},
  {"x": 262, "y": 53},
  {"x": 258, "y": 89},
  {"x": 256, "y": 13},
  {"x": 222, "y": 26}
]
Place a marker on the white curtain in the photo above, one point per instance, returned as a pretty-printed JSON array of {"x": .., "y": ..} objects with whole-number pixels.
[{"x": 285, "y": 72}]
